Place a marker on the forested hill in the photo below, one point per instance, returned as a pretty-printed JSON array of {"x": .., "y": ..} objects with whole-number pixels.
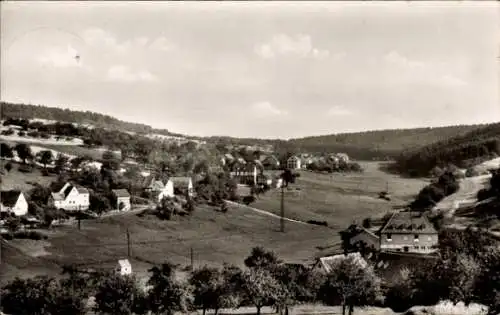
[
  {"x": 380, "y": 144},
  {"x": 368, "y": 145},
  {"x": 463, "y": 151},
  {"x": 9, "y": 110}
]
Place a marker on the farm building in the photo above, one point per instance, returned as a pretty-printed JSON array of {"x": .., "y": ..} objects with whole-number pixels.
[
  {"x": 270, "y": 162},
  {"x": 294, "y": 163},
  {"x": 13, "y": 201},
  {"x": 122, "y": 199},
  {"x": 408, "y": 232},
  {"x": 158, "y": 188},
  {"x": 368, "y": 238},
  {"x": 71, "y": 198},
  {"x": 328, "y": 263},
  {"x": 124, "y": 267},
  {"x": 183, "y": 184}
]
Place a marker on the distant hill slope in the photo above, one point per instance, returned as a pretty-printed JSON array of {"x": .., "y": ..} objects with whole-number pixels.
[
  {"x": 463, "y": 150},
  {"x": 9, "y": 110},
  {"x": 367, "y": 145},
  {"x": 380, "y": 144}
]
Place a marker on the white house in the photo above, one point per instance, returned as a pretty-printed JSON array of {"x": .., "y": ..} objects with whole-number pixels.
[
  {"x": 13, "y": 201},
  {"x": 124, "y": 267},
  {"x": 71, "y": 197},
  {"x": 159, "y": 189},
  {"x": 122, "y": 199},
  {"x": 293, "y": 163}
]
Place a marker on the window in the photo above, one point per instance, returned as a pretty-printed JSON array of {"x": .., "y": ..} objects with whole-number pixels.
[
  {"x": 405, "y": 238},
  {"x": 429, "y": 238},
  {"x": 389, "y": 237},
  {"x": 415, "y": 238}
]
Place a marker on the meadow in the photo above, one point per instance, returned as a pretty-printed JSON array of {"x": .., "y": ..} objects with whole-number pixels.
[
  {"x": 214, "y": 237},
  {"x": 340, "y": 199}
]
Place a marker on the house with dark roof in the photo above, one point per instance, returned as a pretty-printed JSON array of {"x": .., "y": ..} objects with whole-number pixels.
[
  {"x": 270, "y": 161},
  {"x": 294, "y": 163},
  {"x": 13, "y": 201},
  {"x": 71, "y": 197},
  {"x": 122, "y": 198},
  {"x": 182, "y": 185},
  {"x": 159, "y": 189},
  {"x": 407, "y": 232}
]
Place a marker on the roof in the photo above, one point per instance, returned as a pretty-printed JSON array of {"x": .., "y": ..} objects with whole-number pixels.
[
  {"x": 181, "y": 180},
  {"x": 57, "y": 196},
  {"x": 258, "y": 163},
  {"x": 330, "y": 262},
  {"x": 121, "y": 193},
  {"x": 408, "y": 222},
  {"x": 229, "y": 156},
  {"x": 124, "y": 263},
  {"x": 242, "y": 160},
  {"x": 9, "y": 197}
]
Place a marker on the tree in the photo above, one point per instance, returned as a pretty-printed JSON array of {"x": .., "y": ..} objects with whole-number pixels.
[
  {"x": 24, "y": 152},
  {"x": 8, "y": 167},
  {"x": 41, "y": 296},
  {"x": 167, "y": 295},
  {"x": 120, "y": 295},
  {"x": 166, "y": 208},
  {"x": 61, "y": 162},
  {"x": 13, "y": 224},
  {"x": 262, "y": 258},
  {"x": 261, "y": 288},
  {"x": 99, "y": 203},
  {"x": 350, "y": 283},
  {"x": 45, "y": 157},
  {"x": 211, "y": 289},
  {"x": 6, "y": 151}
]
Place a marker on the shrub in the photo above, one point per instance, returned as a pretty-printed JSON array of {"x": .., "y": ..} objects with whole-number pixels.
[
  {"x": 24, "y": 168},
  {"x": 367, "y": 223},
  {"x": 33, "y": 235},
  {"x": 247, "y": 200},
  {"x": 8, "y": 166},
  {"x": 8, "y": 236},
  {"x": 8, "y": 132},
  {"x": 314, "y": 222},
  {"x": 471, "y": 172},
  {"x": 44, "y": 135},
  {"x": 22, "y": 133},
  {"x": 138, "y": 201}
]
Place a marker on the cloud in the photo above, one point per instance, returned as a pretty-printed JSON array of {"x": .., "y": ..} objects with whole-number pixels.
[
  {"x": 416, "y": 70},
  {"x": 396, "y": 58},
  {"x": 102, "y": 38},
  {"x": 267, "y": 109},
  {"x": 60, "y": 57},
  {"x": 282, "y": 44},
  {"x": 162, "y": 44},
  {"x": 125, "y": 74},
  {"x": 337, "y": 110}
]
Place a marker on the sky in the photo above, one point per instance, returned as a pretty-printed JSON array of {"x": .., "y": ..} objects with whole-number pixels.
[{"x": 257, "y": 69}]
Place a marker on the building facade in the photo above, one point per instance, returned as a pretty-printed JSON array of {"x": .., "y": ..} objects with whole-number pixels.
[
  {"x": 408, "y": 232},
  {"x": 71, "y": 198}
]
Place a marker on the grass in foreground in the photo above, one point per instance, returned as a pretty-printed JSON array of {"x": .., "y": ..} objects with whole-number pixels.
[{"x": 214, "y": 238}]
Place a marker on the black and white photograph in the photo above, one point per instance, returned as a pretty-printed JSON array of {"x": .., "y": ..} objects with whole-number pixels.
[{"x": 250, "y": 157}]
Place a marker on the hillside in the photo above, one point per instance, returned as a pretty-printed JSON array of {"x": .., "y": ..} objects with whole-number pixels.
[
  {"x": 367, "y": 145},
  {"x": 380, "y": 144},
  {"x": 465, "y": 150},
  {"x": 9, "y": 110}
]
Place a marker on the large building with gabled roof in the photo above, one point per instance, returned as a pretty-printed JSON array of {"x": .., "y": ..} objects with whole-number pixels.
[{"x": 409, "y": 232}]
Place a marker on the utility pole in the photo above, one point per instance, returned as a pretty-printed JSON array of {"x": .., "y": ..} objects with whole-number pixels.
[
  {"x": 79, "y": 220},
  {"x": 192, "y": 258},
  {"x": 128, "y": 243},
  {"x": 282, "y": 221}
]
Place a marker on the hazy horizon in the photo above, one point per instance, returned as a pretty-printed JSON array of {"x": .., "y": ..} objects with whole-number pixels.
[{"x": 257, "y": 70}]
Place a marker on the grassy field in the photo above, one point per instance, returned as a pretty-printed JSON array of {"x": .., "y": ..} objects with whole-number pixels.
[
  {"x": 216, "y": 238},
  {"x": 341, "y": 198},
  {"x": 22, "y": 181},
  {"x": 75, "y": 150}
]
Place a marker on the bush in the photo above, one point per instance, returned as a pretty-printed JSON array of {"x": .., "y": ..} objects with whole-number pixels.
[
  {"x": 247, "y": 200},
  {"x": 138, "y": 201},
  {"x": 8, "y": 166},
  {"x": 24, "y": 168},
  {"x": 471, "y": 172},
  {"x": 367, "y": 223},
  {"x": 314, "y": 222},
  {"x": 8, "y": 132},
  {"x": 21, "y": 134},
  {"x": 33, "y": 235},
  {"x": 44, "y": 135},
  {"x": 8, "y": 236}
]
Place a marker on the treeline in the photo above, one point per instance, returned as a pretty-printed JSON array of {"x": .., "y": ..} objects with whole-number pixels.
[
  {"x": 379, "y": 144},
  {"x": 466, "y": 269},
  {"x": 462, "y": 151}
]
